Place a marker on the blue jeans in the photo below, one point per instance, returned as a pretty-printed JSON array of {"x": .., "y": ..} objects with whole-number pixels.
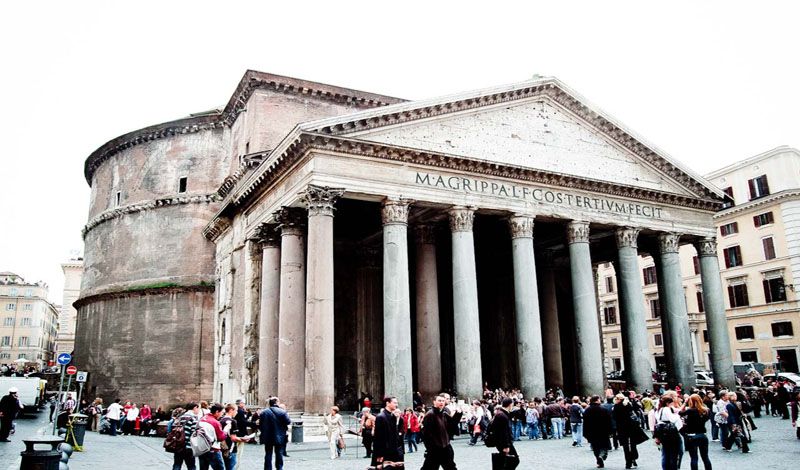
[
  {"x": 723, "y": 434},
  {"x": 533, "y": 430},
  {"x": 230, "y": 462},
  {"x": 669, "y": 457},
  {"x": 558, "y": 427},
  {"x": 411, "y": 440},
  {"x": 577, "y": 433},
  {"x": 714, "y": 427},
  {"x": 279, "y": 448},
  {"x": 212, "y": 459},
  {"x": 183, "y": 457},
  {"x": 114, "y": 423},
  {"x": 516, "y": 429},
  {"x": 698, "y": 442}
]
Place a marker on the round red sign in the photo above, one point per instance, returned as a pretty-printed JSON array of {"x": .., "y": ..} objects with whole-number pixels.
[{"x": 72, "y": 370}]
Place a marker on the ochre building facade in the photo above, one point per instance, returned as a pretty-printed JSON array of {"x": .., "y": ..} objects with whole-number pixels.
[{"x": 317, "y": 243}]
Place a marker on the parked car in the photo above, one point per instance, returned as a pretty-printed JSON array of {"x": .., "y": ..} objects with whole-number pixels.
[
  {"x": 704, "y": 377},
  {"x": 790, "y": 377}
]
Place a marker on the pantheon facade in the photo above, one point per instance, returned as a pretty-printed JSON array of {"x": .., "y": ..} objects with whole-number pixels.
[{"x": 316, "y": 243}]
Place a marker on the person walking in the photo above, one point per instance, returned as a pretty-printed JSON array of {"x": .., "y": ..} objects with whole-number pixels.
[
  {"x": 695, "y": 415},
  {"x": 188, "y": 420},
  {"x": 502, "y": 437},
  {"x": 721, "y": 417},
  {"x": 479, "y": 422},
  {"x": 576, "y": 422},
  {"x": 334, "y": 428},
  {"x": 735, "y": 426},
  {"x": 629, "y": 429},
  {"x": 230, "y": 426},
  {"x": 366, "y": 427},
  {"x": 412, "y": 428},
  {"x": 387, "y": 445},
  {"x": 9, "y": 408},
  {"x": 438, "y": 451},
  {"x": 213, "y": 459},
  {"x": 597, "y": 429},
  {"x": 670, "y": 424},
  {"x": 273, "y": 422},
  {"x": 114, "y": 414}
]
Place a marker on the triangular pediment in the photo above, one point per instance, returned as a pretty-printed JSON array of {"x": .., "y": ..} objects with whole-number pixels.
[{"x": 535, "y": 125}]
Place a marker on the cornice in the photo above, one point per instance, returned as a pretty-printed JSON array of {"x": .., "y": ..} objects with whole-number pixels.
[
  {"x": 547, "y": 89},
  {"x": 141, "y": 292},
  {"x": 297, "y": 148},
  {"x": 173, "y": 200},
  {"x": 756, "y": 203}
]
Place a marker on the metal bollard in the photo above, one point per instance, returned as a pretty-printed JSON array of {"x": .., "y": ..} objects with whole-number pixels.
[{"x": 33, "y": 459}]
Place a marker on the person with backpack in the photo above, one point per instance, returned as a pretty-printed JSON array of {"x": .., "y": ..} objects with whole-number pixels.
[
  {"x": 576, "y": 421},
  {"x": 438, "y": 451},
  {"x": 597, "y": 429},
  {"x": 501, "y": 437},
  {"x": 179, "y": 433},
  {"x": 667, "y": 433},
  {"x": 212, "y": 432},
  {"x": 273, "y": 422},
  {"x": 735, "y": 425}
]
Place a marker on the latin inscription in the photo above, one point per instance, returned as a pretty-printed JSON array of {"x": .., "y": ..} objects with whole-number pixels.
[{"x": 532, "y": 193}]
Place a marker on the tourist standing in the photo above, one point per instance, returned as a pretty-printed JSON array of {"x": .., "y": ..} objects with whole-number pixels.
[
  {"x": 438, "y": 451},
  {"x": 9, "y": 408},
  {"x": 130, "y": 419},
  {"x": 669, "y": 439},
  {"x": 412, "y": 428},
  {"x": 188, "y": 420},
  {"x": 597, "y": 429},
  {"x": 576, "y": 421},
  {"x": 334, "y": 428},
  {"x": 695, "y": 415},
  {"x": 555, "y": 413},
  {"x": 95, "y": 411},
  {"x": 273, "y": 422},
  {"x": 532, "y": 421},
  {"x": 231, "y": 427},
  {"x": 366, "y": 427},
  {"x": 503, "y": 437},
  {"x": 735, "y": 425},
  {"x": 114, "y": 414},
  {"x": 213, "y": 458},
  {"x": 387, "y": 445}
]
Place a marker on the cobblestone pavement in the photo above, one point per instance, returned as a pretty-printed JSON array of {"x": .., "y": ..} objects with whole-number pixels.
[{"x": 774, "y": 447}]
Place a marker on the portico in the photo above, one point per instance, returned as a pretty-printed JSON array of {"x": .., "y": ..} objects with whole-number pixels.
[{"x": 484, "y": 215}]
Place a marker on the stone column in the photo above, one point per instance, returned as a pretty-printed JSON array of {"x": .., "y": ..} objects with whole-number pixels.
[
  {"x": 369, "y": 321},
  {"x": 717, "y": 324},
  {"x": 397, "y": 367},
  {"x": 429, "y": 350},
  {"x": 469, "y": 376},
  {"x": 674, "y": 310},
  {"x": 319, "y": 324},
  {"x": 268, "y": 325},
  {"x": 292, "y": 309},
  {"x": 526, "y": 303},
  {"x": 633, "y": 321},
  {"x": 551, "y": 335},
  {"x": 588, "y": 349}
]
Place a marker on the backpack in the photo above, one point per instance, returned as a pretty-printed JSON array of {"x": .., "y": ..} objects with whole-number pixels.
[
  {"x": 666, "y": 432},
  {"x": 202, "y": 439},
  {"x": 176, "y": 439}
]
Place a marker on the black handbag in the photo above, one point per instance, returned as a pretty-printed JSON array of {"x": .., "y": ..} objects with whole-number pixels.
[{"x": 503, "y": 461}]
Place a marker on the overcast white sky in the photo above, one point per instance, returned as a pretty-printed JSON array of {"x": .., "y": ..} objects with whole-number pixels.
[{"x": 708, "y": 82}]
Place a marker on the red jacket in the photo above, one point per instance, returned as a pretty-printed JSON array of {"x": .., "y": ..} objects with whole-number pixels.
[
  {"x": 221, "y": 435},
  {"x": 411, "y": 422}
]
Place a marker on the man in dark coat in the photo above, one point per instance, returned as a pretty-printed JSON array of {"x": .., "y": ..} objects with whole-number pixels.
[
  {"x": 596, "y": 429},
  {"x": 386, "y": 443},
  {"x": 438, "y": 451},
  {"x": 273, "y": 423},
  {"x": 9, "y": 407},
  {"x": 500, "y": 430}
]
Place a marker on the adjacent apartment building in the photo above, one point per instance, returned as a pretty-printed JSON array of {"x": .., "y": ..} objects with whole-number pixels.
[
  {"x": 28, "y": 322},
  {"x": 758, "y": 244},
  {"x": 67, "y": 318}
]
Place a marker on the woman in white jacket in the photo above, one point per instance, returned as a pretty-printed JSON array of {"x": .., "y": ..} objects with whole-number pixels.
[
  {"x": 671, "y": 444},
  {"x": 334, "y": 429}
]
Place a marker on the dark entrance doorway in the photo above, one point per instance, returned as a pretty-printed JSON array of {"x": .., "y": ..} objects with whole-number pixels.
[{"x": 788, "y": 361}]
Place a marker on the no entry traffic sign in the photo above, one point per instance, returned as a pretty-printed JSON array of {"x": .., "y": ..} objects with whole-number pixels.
[{"x": 72, "y": 370}]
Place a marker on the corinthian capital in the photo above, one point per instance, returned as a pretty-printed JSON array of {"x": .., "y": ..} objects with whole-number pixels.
[
  {"x": 627, "y": 237},
  {"x": 521, "y": 226},
  {"x": 578, "y": 232},
  {"x": 669, "y": 242},
  {"x": 268, "y": 235},
  {"x": 290, "y": 220},
  {"x": 321, "y": 199},
  {"x": 461, "y": 219},
  {"x": 395, "y": 211},
  {"x": 706, "y": 246}
]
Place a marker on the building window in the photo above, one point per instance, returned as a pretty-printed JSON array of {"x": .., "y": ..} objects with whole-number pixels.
[
  {"x": 8, "y": 321},
  {"x": 28, "y": 292},
  {"x": 763, "y": 219},
  {"x": 774, "y": 290},
  {"x": 182, "y": 185},
  {"x": 729, "y": 229},
  {"x": 5, "y": 356},
  {"x": 700, "y": 307},
  {"x": 744, "y": 332},
  {"x": 782, "y": 328},
  {"x": 649, "y": 275},
  {"x": 617, "y": 363},
  {"x": 27, "y": 307},
  {"x": 733, "y": 256},
  {"x": 609, "y": 284},
  {"x": 11, "y": 307},
  {"x": 758, "y": 187},
  {"x": 748, "y": 356},
  {"x": 658, "y": 340},
  {"x": 655, "y": 308},
  {"x": 6, "y": 341},
  {"x": 222, "y": 334},
  {"x": 705, "y": 336},
  {"x": 27, "y": 321},
  {"x": 24, "y": 341},
  {"x": 14, "y": 292},
  {"x": 22, "y": 356},
  {"x": 696, "y": 264},
  {"x": 737, "y": 295},
  {"x": 614, "y": 343},
  {"x": 610, "y": 314},
  {"x": 729, "y": 201},
  {"x": 769, "y": 248}
]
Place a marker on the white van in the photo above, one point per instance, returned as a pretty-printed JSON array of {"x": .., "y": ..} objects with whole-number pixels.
[{"x": 30, "y": 391}]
